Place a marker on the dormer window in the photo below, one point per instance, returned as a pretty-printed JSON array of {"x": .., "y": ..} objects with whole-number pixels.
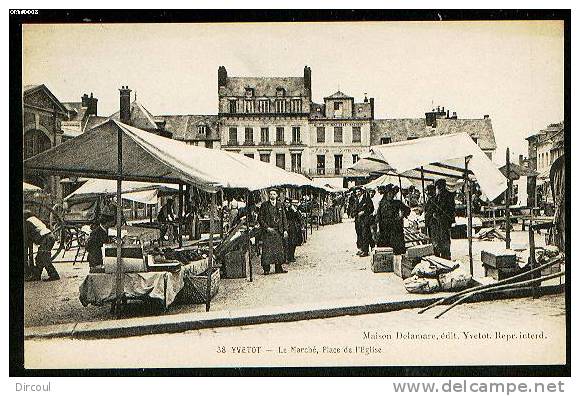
[
  {"x": 202, "y": 130},
  {"x": 280, "y": 92},
  {"x": 249, "y": 92}
]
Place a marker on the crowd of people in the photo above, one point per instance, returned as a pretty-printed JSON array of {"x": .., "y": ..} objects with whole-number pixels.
[{"x": 379, "y": 217}]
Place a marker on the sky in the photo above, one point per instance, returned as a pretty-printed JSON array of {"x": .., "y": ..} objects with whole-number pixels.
[{"x": 513, "y": 71}]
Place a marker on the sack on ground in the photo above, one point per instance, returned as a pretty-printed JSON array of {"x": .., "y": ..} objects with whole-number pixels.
[
  {"x": 455, "y": 280},
  {"x": 420, "y": 285},
  {"x": 425, "y": 269}
]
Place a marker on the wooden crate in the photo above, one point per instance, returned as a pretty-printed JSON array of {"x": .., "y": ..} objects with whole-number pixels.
[
  {"x": 502, "y": 258},
  {"x": 502, "y": 273},
  {"x": 420, "y": 251},
  {"x": 382, "y": 260},
  {"x": 195, "y": 287}
]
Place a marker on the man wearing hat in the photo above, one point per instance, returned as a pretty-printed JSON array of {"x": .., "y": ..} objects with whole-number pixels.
[
  {"x": 429, "y": 208},
  {"x": 294, "y": 219},
  {"x": 274, "y": 226},
  {"x": 98, "y": 237},
  {"x": 443, "y": 218},
  {"x": 362, "y": 222},
  {"x": 390, "y": 218}
]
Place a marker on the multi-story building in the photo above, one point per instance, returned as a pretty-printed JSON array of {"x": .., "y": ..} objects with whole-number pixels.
[
  {"x": 436, "y": 122},
  {"x": 340, "y": 131},
  {"x": 544, "y": 147},
  {"x": 266, "y": 118},
  {"x": 42, "y": 115}
]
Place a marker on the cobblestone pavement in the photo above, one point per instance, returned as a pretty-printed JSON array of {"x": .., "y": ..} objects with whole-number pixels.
[
  {"x": 518, "y": 331},
  {"x": 326, "y": 270}
]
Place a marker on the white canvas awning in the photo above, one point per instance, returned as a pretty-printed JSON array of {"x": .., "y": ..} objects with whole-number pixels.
[
  {"x": 30, "y": 187},
  {"x": 143, "y": 192},
  {"x": 383, "y": 180},
  {"x": 151, "y": 158},
  {"x": 439, "y": 157}
]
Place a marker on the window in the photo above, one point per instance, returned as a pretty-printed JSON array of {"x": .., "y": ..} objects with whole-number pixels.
[
  {"x": 202, "y": 130},
  {"x": 249, "y": 106},
  {"x": 264, "y": 135},
  {"x": 280, "y": 92},
  {"x": 233, "y": 106},
  {"x": 280, "y": 106},
  {"x": 385, "y": 140},
  {"x": 337, "y": 105},
  {"x": 233, "y": 138},
  {"x": 337, "y": 164},
  {"x": 249, "y": 155},
  {"x": 296, "y": 160},
  {"x": 249, "y": 135},
  {"x": 356, "y": 135},
  {"x": 320, "y": 134},
  {"x": 281, "y": 161},
  {"x": 265, "y": 157},
  {"x": 263, "y": 106},
  {"x": 279, "y": 134},
  {"x": 320, "y": 164},
  {"x": 355, "y": 158},
  {"x": 296, "y": 105},
  {"x": 337, "y": 134},
  {"x": 249, "y": 92},
  {"x": 295, "y": 134}
]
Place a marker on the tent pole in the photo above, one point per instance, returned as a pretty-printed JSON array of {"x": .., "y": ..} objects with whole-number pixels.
[
  {"x": 210, "y": 251},
  {"x": 248, "y": 230},
  {"x": 119, "y": 273},
  {"x": 180, "y": 209},
  {"x": 532, "y": 244},
  {"x": 469, "y": 215},
  {"x": 400, "y": 188},
  {"x": 507, "y": 200},
  {"x": 222, "y": 214},
  {"x": 423, "y": 184}
]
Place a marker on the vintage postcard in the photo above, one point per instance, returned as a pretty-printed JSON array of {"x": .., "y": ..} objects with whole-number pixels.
[{"x": 337, "y": 193}]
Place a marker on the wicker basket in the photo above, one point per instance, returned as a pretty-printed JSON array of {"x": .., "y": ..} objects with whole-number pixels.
[{"x": 195, "y": 287}]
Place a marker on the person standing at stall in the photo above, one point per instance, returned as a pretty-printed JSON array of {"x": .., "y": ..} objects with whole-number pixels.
[
  {"x": 390, "y": 218},
  {"x": 37, "y": 233},
  {"x": 98, "y": 237},
  {"x": 362, "y": 222},
  {"x": 443, "y": 219},
  {"x": 294, "y": 230},
  {"x": 274, "y": 227},
  {"x": 166, "y": 218},
  {"x": 429, "y": 208}
]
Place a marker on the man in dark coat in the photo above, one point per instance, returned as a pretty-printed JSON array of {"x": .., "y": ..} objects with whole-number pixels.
[
  {"x": 97, "y": 238},
  {"x": 274, "y": 226},
  {"x": 362, "y": 222},
  {"x": 294, "y": 219},
  {"x": 390, "y": 217},
  {"x": 429, "y": 208},
  {"x": 443, "y": 218}
]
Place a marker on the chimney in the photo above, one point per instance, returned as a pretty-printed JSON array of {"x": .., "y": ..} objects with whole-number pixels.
[
  {"x": 125, "y": 105},
  {"x": 222, "y": 76},
  {"x": 307, "y": 78},
  {"x": 447, "y": 113},
  {"x": 485, "y": 116},
  {"x": 92, "y": 105},
  {"x": 454, "y": 116},
  {"x": 85, "y": 100},
  {"x": 372, "y": 102}
]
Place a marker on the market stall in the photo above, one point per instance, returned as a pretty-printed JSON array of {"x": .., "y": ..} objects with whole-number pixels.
[
  {"x": 451, "y": 157},
  {"x": 116, "y": 151}
]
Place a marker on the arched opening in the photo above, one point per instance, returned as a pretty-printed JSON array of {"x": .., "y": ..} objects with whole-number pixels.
[{"x": 35, "y": 141}]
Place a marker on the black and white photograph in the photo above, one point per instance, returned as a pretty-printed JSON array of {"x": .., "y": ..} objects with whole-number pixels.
[{"x": 277, "y": 192}]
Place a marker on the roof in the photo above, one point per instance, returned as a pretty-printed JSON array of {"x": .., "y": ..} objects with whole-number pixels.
[
  {"x": 184, "y": 127},
  {"x": 77, "y": 108},
  {"x": 30, "y": 89},
  {"x": 339, "y": 95},
  {"x": 152, "y": 158},
  {"x": 264, "y": 86},
  {"x": 399, "y": 129},
  {"x": 140, "y": 117},
  {"x": 518, "y": 171}
]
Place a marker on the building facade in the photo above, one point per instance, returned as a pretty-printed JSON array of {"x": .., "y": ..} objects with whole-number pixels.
[
  {"x": 339, "y": 134},
  {"x": 266, "y": 118}
]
